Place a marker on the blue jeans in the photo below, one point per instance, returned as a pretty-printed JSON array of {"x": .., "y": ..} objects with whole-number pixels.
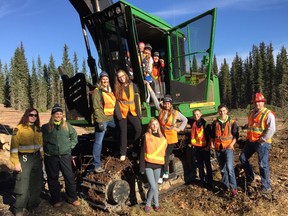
[
  {"x": 263, "y": 153},
  {"x": 97, "y": 146},
  {"x": 153, "y": 176},
  {"x": 225, "y": 159}
]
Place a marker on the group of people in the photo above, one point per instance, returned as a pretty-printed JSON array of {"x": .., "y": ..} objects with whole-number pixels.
[
  {"x": 122, "y": 105},
  {"x": 153, "y": 69},
  {"x": 221, "y": 135},
  {"x": 30, "y": 146},
  {"x": 53, "y": 142}
]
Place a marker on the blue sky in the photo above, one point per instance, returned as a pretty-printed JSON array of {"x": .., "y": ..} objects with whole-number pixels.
[{"x": 45, "y": 26}]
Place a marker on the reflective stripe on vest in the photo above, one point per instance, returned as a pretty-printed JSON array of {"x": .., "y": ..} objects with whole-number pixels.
[
  {"x": 109, "y": 103},
  {"x": 29, "y": 147},
  {"x": 126, "y": 104},
  {"x": 155, "y": 149},
  {"x": 167, "y": 125},
  {"x": 168, "y": 122},
  {"x": 257, "y": 125},
  {"x": 225, "y": 138},
  {"x": 197, "y": 136}
]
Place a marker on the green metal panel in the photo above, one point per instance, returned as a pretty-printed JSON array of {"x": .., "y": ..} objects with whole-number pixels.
[
  {"x": 131, "y": 15},
  {"x": 154, "y": 20}
]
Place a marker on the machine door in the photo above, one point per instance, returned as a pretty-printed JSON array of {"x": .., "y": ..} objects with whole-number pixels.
[{"x": 191, "y": 53}]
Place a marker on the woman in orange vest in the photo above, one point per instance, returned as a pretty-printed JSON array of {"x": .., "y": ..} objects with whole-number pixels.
[
  {"x": 103, "y": 104},
  {"x": 167, "y": 119},
  {"x": 152, "y": 158},
  {"x": 223, "y": 138},
  {"x": 127, "y": 109},
  {"x": 200, "y": 140}
]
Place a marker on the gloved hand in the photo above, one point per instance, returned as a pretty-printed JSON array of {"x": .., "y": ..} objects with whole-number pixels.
[{"x": 99, "y": 126}]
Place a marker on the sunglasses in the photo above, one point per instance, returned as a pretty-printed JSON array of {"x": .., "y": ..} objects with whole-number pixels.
[{"x": 33, "y": 115}]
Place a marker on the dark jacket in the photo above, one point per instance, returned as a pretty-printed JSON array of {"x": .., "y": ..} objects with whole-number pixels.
[
  {"x": 59, "y": 141},
  {"x": 207, "y": 127}
]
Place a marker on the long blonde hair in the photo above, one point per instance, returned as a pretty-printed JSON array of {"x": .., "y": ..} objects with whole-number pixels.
[
  {"x": 149, "y": 130},
  {"x": 118, "y": 86},
  {"x": 170, "y": 112},
  {"x": 63, "y": 124}
]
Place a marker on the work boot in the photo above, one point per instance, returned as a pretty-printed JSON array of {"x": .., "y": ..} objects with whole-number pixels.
[{"x": 267, "y": 194}]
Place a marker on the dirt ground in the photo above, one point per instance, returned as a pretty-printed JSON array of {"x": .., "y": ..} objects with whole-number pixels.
[{"x": 191, "y": 199}]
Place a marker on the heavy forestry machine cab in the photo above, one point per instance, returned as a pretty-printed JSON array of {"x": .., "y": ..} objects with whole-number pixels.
[
  {"x": 187, "y": 50},
  {"x": 116, "y": 29}
]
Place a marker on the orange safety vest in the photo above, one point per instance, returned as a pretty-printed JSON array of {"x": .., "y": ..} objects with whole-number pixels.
[
  {"x": 109, "y": 103},
  {"x": 127, "y": 104},
  {"x": 155, "y": 149},
  {"x": 257, "y": 125},
  {"x": 167, "y": 126},
  {"x": 223, "y": 138},
  {"x": 198, "y": 136},
  {"x": 155, "y": 72}
]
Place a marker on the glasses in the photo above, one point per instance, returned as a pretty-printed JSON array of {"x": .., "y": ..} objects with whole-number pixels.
[{"x": 33, "y": 115}]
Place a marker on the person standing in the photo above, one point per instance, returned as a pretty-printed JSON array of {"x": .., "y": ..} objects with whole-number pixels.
[
  {"x": 127, "y": 109},
  {"x": 147, "y": 68},
  {"x": 157, "y": 74},
  {"x": 223, "y": 138},
  {"x": 200, "y": 140},
  {"x": 261, "y": 128},
  {"x": 59, "y": 138},
  {"x": 26, "y": 154},
  {"x": 103, "y": 105},
  {"x": 152, "y": 158},
  {"x": 147, "y": 60},
  {"x": 167, "y": 119}
]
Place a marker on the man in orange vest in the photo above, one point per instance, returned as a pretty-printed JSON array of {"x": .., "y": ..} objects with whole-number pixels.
[
  {"x": 223, "y": 138},
  {"x": 261, "y": 128},
  {"x": 200, "y": 140},
  {"x": 103, "y": 104}
]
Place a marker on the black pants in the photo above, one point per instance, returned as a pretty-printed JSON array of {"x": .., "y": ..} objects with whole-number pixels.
[
  {"x": 135, "y": 122},
  {"x": 203, "y": 158},
  {"x": 54, "y": 164},
  {"x": 169, "y": 150}
]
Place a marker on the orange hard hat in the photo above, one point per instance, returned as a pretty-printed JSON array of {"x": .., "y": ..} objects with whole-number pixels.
[{"x": 259, "y": 98}]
